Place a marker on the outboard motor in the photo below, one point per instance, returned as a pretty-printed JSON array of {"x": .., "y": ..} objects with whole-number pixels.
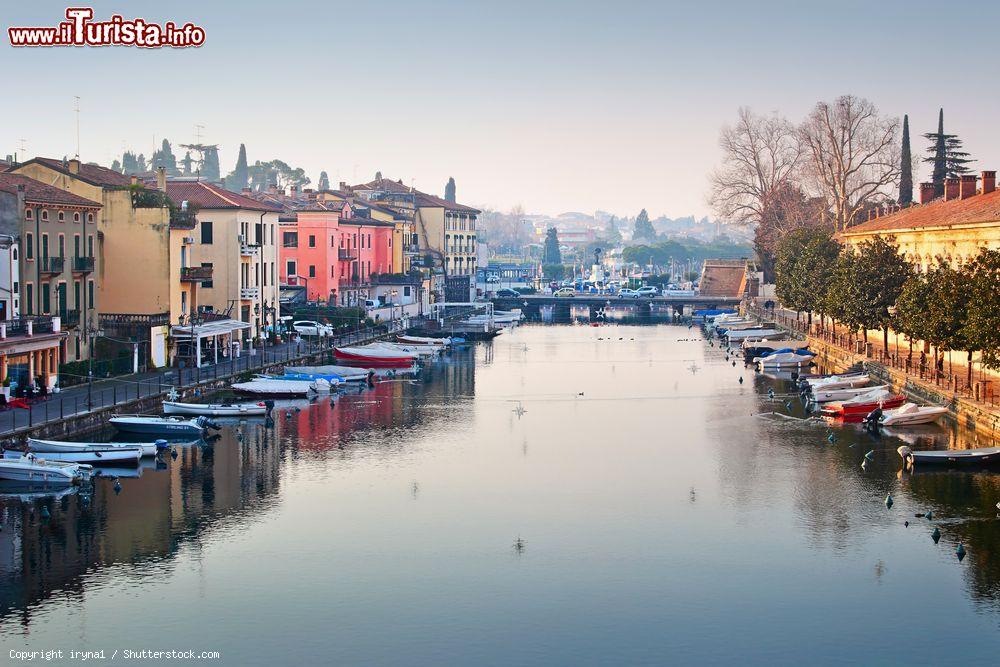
[{"x": 212, "y": 425}]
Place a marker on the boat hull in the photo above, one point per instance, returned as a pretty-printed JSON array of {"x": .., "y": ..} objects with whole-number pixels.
[
  {"x": 374, "y": 361},
  {"x": 214, "y": 410},
  {"x": 861, "y": 409},
  {"x": 21, "y": 470},
  {"x": 989, "y": 456},
  {"x": 168, "y": 428},
  {"x": 59, "y": 446},
  {"x": 105, "y": 457}
]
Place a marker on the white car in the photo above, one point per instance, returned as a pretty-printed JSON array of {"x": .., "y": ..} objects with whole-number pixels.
[
  {"x": 493, "y": 279},
  {"x": 626, "y": 293},
  {"x": 310, "y": 328},
  {"x": 648, "y": 290}
]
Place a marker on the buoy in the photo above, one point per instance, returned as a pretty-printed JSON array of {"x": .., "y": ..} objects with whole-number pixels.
[
  {"x": 936, "y": 535},
  {"x": 288, "y": 415},
  {"x": 960, "y": 551},
  {"x": 45, "y": 513},
  {"x": 734, "y": 363},
  {"x": 888, "y": 500},
  {"x": 741, "y": 379},
  {"x": 118, "y": 487},
  {"x": 173, "y": 453},
  {"x": 906, "y": 524}
]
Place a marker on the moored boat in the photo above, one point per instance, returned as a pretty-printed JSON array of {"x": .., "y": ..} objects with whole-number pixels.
[
  {"x": 63, "y": 446},
  {"x": 837, "y": 382},
  {"x": 28, "y": 467},
  {"x": 261, "y": 386},
  {"x": 214, "y": 409},
  {"x": 862, "y": 404},
  {"x": 380, "y": 357},
  {"x": 423, "y": 340},
  {"x": 951, "y": 457},
  {"x": 346, "y": 373},
  {"x": 842, "y": 394},
  {"x": 156, "y": 425},
  {"x": 94, "y": 454},
  {"x": 786, "y": 358},
  {"x": 911, "y": 414}
]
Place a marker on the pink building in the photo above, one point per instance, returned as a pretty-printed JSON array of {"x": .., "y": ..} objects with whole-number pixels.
[{"x": 334, "y": 253}]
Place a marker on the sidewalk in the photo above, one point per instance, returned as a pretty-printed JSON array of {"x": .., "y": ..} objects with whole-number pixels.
[{"x": 120, "y": 390}]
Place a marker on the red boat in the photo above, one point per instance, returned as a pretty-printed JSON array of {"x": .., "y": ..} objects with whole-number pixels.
[
  {"x": 374, "y": 357},
  {"x": 865, "y": 403}
]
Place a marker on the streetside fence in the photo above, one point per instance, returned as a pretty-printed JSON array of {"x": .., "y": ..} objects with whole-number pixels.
[
  {"x": 917, "y": 365},
  {"x": 81, "y": 399}
]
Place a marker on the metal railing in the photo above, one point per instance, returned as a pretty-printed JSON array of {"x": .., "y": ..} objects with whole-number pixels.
[
  {"x": 83, "y": 264},
  {"x": 52, "y": 264}
]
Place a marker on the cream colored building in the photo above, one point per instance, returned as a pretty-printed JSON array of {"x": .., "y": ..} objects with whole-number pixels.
[{"x": 232, "y": 250}]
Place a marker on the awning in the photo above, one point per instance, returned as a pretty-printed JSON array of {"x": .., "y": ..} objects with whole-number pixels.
[{"x": 208, "y": 329}]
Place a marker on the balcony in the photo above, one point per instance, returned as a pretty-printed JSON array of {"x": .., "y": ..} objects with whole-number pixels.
[
  {"x": 196, "y": 274},
  {"x": 411, "y": 249},
  {"x": 69, "y": 318},
  {"x": 248, "y": 293},
  {"x": 347, "y": 254},
  {"x": 83, "y": 265},
  {"x": 51, "y": 265},
  {"x": 249, "y": 250},
  {"x": 183, "y": 219}
]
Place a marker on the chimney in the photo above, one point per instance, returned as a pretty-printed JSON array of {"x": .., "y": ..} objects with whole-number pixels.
[
  {"x": 989, "y": 181},
  {"x": 134, "y": 180},
  {"x": 967, "y": 186},
  {"x": 950, "y": 188},
  {"x": 343, "y": 186},
  {"x": 246, "y": 191},
  {"x": 161, "y": 179},
  {"x": 74, "y": 166},
  {"x": 926, "y": 192}
]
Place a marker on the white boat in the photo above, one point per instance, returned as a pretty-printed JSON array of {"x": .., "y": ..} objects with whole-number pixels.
[
  {"x": 423, "y": 340},
  {"x": 741, "y": 334},
  {"x": 911, "y": 414},
  {"x": 417, "y": 350},
  {"x": 270, "y": 387},
  {"x": 827, "y": 395},
  {"x": 214, "y": 409},
  {"x": 773, "y": 344},
  {"x": 156, "y": 425},
  {"x": 348, "y": 373},
  {"x": 952, "y": 457},
  {"x": 28, "y": 467},
  {"x": 838, "y": 382},
  {"x": 785, "y": 358},
  {"x": 62, "y": 446},
  {"x": 92, "y": 454}
]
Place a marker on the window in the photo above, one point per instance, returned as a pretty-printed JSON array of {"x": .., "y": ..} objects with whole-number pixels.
[
  {"x": 90, "y": 294},
  {"x": 290, "y": 268},
  {"x": 76, "y": 245},
  {"x": 45, "y": 246},
  {"x": 62, "y": 245},
  {"x": 406, "y": 290},
  {"x": 290, "y": 239},
  {"x": 76, "y": 217},
  {"x": 46, "y": 298},
  {"x": 61, "y": 216},
  {"x": 204, "y": 283},
  {"x": 45, "y": 214},
  {"x": 206, "y": 232},
  {"x": 90, "y": 217},
  {"x": 13, "y": 256},
  {"x": 27, "y": 214},
  {"x": 90, "y": 246},
  {"x": 76, "y": 294},
  {"x": 312, "y": 271},
  {"x": 258, "y": 234},
  {"x": 29, "y": 246},
  {"x": 333, "y": 241},
  {"x": 312, "y": 241},
  {"x": 29, "y": 299}
]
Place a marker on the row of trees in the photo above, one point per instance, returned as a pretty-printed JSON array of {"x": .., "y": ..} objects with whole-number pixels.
[
  {"x": 874, "y": 287},
  {"x": 828, "y": 171}
]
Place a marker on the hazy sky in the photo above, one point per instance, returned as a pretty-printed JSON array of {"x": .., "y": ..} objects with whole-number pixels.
[{"x": 553, "y": 105}]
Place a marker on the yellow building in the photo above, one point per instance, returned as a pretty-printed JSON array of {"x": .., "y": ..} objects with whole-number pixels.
[
  {"x": 952, "y": 228},
  {"x": 137, "y": 285}
]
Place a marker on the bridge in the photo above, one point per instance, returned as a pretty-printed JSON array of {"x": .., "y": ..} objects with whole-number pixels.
[{"x": 679, "y": 302}]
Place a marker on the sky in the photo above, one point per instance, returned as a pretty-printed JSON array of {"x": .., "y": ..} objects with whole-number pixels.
[{"x": 554, "y": 106}]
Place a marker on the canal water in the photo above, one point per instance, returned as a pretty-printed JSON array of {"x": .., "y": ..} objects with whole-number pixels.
[{"x": 565, "y": 495}]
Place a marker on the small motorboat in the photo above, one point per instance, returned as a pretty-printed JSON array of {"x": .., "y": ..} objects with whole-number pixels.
[
  {"x": 378, "y": 356},
  {"x": 951, "y": 457},
  {"x": 837, "y": 382},
  {"x": 94, "y": 454},
  {"x": 739, "y": 335},
  {"x": 62, "y": 446},
  {"x": 423, "y": 340},
  {"x": 911, "y": 414},
  {"x": 345, "y": 373},
  {"x": 31, "y": 468},
  {"x": 827, "y": 395},
  {"x": 331, "y": 378},
  {"x": 416, "y": 350},
  {"x": 785, "y": 358},
  {"x": 265, "y": 386},
  {"x": 214, "y": 409},
  {"x": 165, "y": 425},
  {"x": 863, "y": 404}
]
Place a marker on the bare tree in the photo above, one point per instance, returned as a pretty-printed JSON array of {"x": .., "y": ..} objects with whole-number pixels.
[
  {"x": 760, "y": 161},
  {"x": 853, "y": 155}
]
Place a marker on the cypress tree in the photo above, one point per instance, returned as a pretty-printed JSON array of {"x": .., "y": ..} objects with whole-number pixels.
[
  {"x": 939, "y": 155},
  {"x": 905, "y": 167},
  {"x": 239, "y": 177},
  {"x": 324, "y": 181},
  {"x": 449, "y": 190},
  {"x": 643, "y": 229}
]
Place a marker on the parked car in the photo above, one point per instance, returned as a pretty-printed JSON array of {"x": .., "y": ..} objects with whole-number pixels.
[
  {"x": 311, "y": 328},
  {"x": 507, "y": 293},
  {"x": 648, "y": 290},
  {"x": 493, "y": 279},
  {"x": 564, "y": 292},
  {"x": 626, "y": 293}
]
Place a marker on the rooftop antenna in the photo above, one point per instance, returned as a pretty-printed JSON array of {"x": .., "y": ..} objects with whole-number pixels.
[
  {"x": 77, "y": 110},
  {"x": 198, "y": 127},
  {"x": 24, "y": 151}
]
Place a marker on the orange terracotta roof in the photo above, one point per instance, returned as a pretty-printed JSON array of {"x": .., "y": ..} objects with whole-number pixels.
[
  {"x": 937, "y": 213},
  {"x": 208, "y": 196},
  {"x": 36, "y": 192},
  {"x": 89, "y": 173}
]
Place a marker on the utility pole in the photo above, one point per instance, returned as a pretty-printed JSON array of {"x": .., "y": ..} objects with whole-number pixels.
[{"x": 77, "y": 109}]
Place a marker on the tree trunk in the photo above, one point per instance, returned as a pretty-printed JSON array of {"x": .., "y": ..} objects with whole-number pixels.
[
  {"x": 885, "y": 341},
  {"x": 864, "y": 334},
  {"x": 968, "y": 370}
]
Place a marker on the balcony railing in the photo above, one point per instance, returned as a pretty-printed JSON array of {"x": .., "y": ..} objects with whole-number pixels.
[
  {"x": 52, "y": 265},
  {"x": 183, "y": 219},
  {"x": 69, "y": 318},
  {"x": 249, "y": 292},
  {"x": 196, "y": 274},
  {"x": 83, "y": 264},
  {"x": 346, "y": 254},
  {"x": 26, "y": 326},
  {"x": 249, "y": 250},
  {"x": 411, "y": 249}
]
